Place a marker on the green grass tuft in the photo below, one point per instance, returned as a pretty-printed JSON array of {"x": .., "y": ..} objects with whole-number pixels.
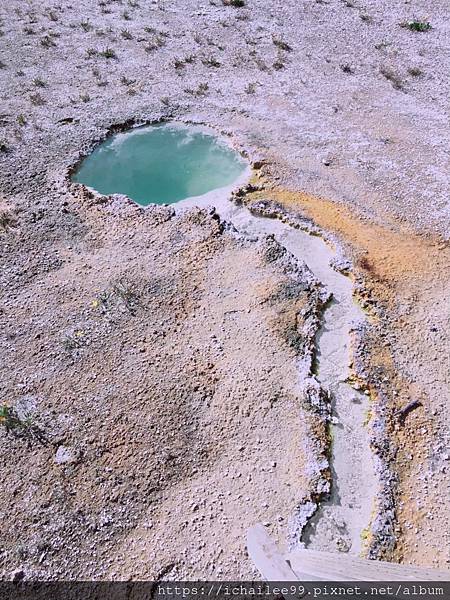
[{"x": 417, "y": 25}]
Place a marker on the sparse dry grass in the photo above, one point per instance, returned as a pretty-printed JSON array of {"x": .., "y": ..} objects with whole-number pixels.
[
  {"x": 108, "y": 53},
  {"x": 211, "y": 61},
  {"x": 201, "y": 90},
  {"x": 20, "y": 426},
  {"x": 7, "y": 217},
  {"x": 37, "y": 99},
  {"x": 235, "y": 3},
  {"x": 415, "y": 71},
  {"x": 281, "y": 44},
  {"x": 346, "y": 68},
  {"x": 47, "y": 42},
  {"x": 38, "y": 82},
  {"x": 392, "y": 77}
]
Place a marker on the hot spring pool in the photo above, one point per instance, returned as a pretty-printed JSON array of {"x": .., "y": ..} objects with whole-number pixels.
[{"x": 161, "y": 164}]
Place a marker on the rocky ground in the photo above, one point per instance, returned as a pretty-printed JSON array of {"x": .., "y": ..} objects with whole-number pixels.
[
  {"x": 108, "y": 312},
  {"x": 159, "y": 369}
]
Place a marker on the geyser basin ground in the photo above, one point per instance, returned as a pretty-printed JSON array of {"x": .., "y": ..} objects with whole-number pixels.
[
  {"x": 342, "y": 520},
  {"x": 189, "y": 165},
  {"x": 161, "y": 164}
]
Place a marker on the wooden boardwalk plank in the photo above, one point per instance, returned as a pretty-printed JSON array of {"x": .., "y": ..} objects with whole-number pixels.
[
  {"x": 312, "y": 565},
  {"x": 268, "y": 559},
  {"x": 345, "y": 567}
]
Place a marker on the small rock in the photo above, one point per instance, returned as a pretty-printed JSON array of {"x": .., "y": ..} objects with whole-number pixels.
[
  {"x": 64, "y": 455},
  {"x": 17, "y": 575},
  {"x": 342, "y": 545}
]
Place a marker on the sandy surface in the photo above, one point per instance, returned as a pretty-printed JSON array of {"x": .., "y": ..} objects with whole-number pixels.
[
  {"x": 339, "y": 101},
  {"x": 162, "y": 369}
]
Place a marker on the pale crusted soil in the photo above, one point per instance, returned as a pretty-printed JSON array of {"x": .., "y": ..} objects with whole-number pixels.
[
  {"x": 355, "y": 109},
  {"x": 162, "y": 369},
  {"x": 402, "y": 282},
  {"x": 347, "y": 102}
]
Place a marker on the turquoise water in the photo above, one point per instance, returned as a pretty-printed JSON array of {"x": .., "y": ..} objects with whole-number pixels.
[{"x": 161, "y": 164}]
